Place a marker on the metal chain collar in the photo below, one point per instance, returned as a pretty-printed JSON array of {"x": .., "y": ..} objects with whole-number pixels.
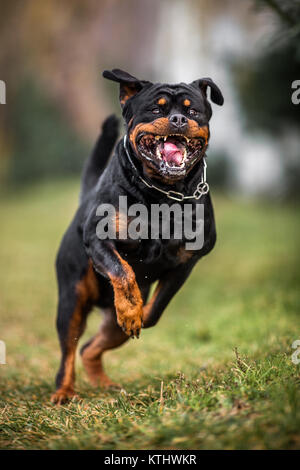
[{"x": 201, "y": 189}]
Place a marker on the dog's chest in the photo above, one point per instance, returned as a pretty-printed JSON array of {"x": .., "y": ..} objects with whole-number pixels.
[{"x": 150, "y": 258}]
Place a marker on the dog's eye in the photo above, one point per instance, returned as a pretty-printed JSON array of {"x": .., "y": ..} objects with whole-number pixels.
[
  {"x": 192, "y": 112},
  {"x": 155, "y": 110}
]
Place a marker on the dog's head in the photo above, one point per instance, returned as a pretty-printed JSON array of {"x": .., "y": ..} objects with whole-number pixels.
[{"x": 167, "y": 125}]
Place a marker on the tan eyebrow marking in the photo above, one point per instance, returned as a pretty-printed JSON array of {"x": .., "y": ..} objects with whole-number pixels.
[
  {"x": 187, "y": 102},
  {"x": 162, "y": 101}
]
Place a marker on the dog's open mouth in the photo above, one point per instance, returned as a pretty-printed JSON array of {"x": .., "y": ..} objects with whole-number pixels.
[{"x": 172, "y": 154}]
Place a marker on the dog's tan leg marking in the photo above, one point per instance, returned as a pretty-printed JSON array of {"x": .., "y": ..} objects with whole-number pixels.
[
  {"x": 110, "y": 336},
  {"x": 87, "y": 292},
  {"x": 128, "y": 299},
  {"x": 148, "y": 307}
]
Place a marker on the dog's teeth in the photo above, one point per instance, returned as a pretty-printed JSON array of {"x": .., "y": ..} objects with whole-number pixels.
[{"x": 165, "y": 138}]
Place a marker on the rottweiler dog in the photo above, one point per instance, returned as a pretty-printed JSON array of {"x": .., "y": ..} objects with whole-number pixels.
[{"x": 160, "y": 159}]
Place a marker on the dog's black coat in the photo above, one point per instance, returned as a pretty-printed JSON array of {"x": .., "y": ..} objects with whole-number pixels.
[{"x": 104, "y": 180}]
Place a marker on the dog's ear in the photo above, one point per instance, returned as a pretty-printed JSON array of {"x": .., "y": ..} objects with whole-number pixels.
[
  {"x": 215, "y": 92},
  {"x": 129, "y": 85}
]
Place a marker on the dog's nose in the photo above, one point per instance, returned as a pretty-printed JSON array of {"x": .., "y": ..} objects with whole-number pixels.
[{"x": 178, "y": 121}]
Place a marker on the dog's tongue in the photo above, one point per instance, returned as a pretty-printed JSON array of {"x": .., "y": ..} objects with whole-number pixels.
[{"x": 172, "y": 154}]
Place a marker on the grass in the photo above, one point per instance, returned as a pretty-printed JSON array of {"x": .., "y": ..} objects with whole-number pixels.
[{"x": 216, "y": 373}]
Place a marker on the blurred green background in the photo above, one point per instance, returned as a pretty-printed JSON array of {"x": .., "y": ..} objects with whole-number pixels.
[
  {"x": 52, "y": 56},
  {"x": 244, "y": 295}
]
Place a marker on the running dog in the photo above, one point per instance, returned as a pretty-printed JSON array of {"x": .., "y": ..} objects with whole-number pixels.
[{"x": 161, "y": 159}]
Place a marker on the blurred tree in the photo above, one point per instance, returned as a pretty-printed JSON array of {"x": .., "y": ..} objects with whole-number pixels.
[
  {"x": 265, "y": 82},
  {"x": 63, "y": 47},
  {"x": 46, "y": 145},
  {"x": 264, "y": 85}
]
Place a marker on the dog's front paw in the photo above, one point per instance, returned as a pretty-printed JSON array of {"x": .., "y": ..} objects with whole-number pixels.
[
  {"x": 129, "y": 307},
  {"x": 128, "y": 301},
  {"x": 130, "y": 319},
  {"x": 63, "y": 395}
]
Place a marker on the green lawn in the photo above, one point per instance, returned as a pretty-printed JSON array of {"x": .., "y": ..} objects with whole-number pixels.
[{"x": 215, "y": 373}]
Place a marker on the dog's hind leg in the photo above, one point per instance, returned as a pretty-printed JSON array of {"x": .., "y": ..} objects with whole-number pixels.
[
  {"x": 75, "y": 301},
  {"x": 110, "y": 336}
]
